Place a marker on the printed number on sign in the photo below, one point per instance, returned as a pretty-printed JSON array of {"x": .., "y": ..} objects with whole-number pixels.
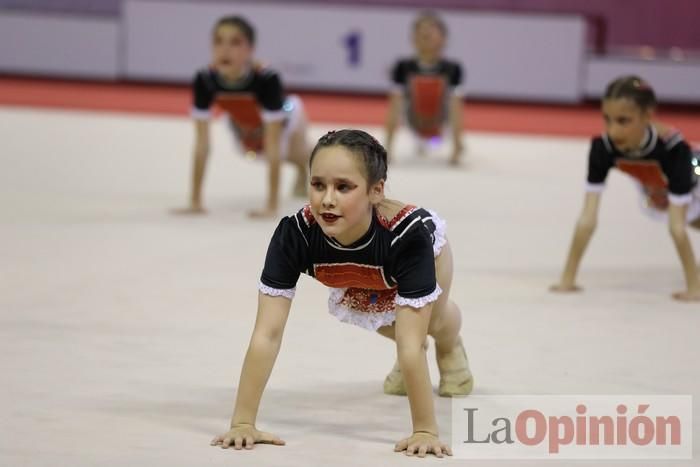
[{"x": 353, "y": 48}]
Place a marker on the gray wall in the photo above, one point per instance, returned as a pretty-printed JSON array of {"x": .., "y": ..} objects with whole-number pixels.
[{"x": 507, "y": 55}]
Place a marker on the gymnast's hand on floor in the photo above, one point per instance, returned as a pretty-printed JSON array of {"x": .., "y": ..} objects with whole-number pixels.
[
  {"x": 265, "y": 213},
  {"x": 562, "y": 287},
  {"x": 245, "y": 436},
  {"x": 421, "y": 443},
  {"x": 687, "y": 296},
  {"x": 192, "y": 210},
  {"x": 456, "y": 156}
]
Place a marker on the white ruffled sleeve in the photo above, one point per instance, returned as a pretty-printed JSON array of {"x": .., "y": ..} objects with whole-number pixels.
[
  {"x": 272, "y": 292},
  {"x": 419, "y": 302}
]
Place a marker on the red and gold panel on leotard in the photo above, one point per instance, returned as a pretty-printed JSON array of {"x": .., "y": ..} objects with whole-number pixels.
[
  {"x": 341, "y": 275},
  {"x": 245, "y": 114},
  {"x": 651, "y": 177},
  {"x": 427, "y": 95}
]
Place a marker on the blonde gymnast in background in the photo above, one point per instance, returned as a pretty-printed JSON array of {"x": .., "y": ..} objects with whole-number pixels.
[
  {"x": 389, "y": 267},
  {"x": 427, "y": 89}
]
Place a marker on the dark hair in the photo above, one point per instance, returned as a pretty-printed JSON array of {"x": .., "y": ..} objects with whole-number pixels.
[
  {"x": 432, "y": 17},
  {"x": 633, "y": 88},
  {"x": 361, "y": 144},
  {"x": 237, "y": 22}
]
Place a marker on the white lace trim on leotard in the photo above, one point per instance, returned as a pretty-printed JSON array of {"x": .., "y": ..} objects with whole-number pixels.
[
  {"x": 419, "y": 302},
  {"x": 272, "y": 292}
]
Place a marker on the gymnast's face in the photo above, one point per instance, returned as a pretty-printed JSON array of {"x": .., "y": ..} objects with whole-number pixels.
[
  {"x": 625, "y": 123},
  {"x": 341, "y": 200},
  {"x": 231, "y": 50},
  {"x": 428, "y": 40}
]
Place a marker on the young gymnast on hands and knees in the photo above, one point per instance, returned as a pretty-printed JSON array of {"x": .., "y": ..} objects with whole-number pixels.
[
  {"x": 265, "y": 121},
  {"x": 427, "y": 90},
  {"x": 389, "y": 268},
  {"x": 661, "y": 164}
]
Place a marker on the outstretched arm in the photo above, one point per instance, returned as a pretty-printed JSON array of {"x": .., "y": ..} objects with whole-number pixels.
[
  {"x": 677, "y": 228},
  {"x": 582, "y": 235},
  {"x": 392, "y": 119},
  {"x": 456, "y": 125},
  {"x": 262, "y": 352},
  {"x": 411, "y": 331},
  {"x": 199, "y": 166},
  {"x": 271, "y": 142}
]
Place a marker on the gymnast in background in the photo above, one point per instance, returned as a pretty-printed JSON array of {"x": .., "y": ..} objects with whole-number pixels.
[
  {"x": 265, "y": 121},
  {"x": 427, "y": 90},
  {"x": 660, "y": 163}
]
